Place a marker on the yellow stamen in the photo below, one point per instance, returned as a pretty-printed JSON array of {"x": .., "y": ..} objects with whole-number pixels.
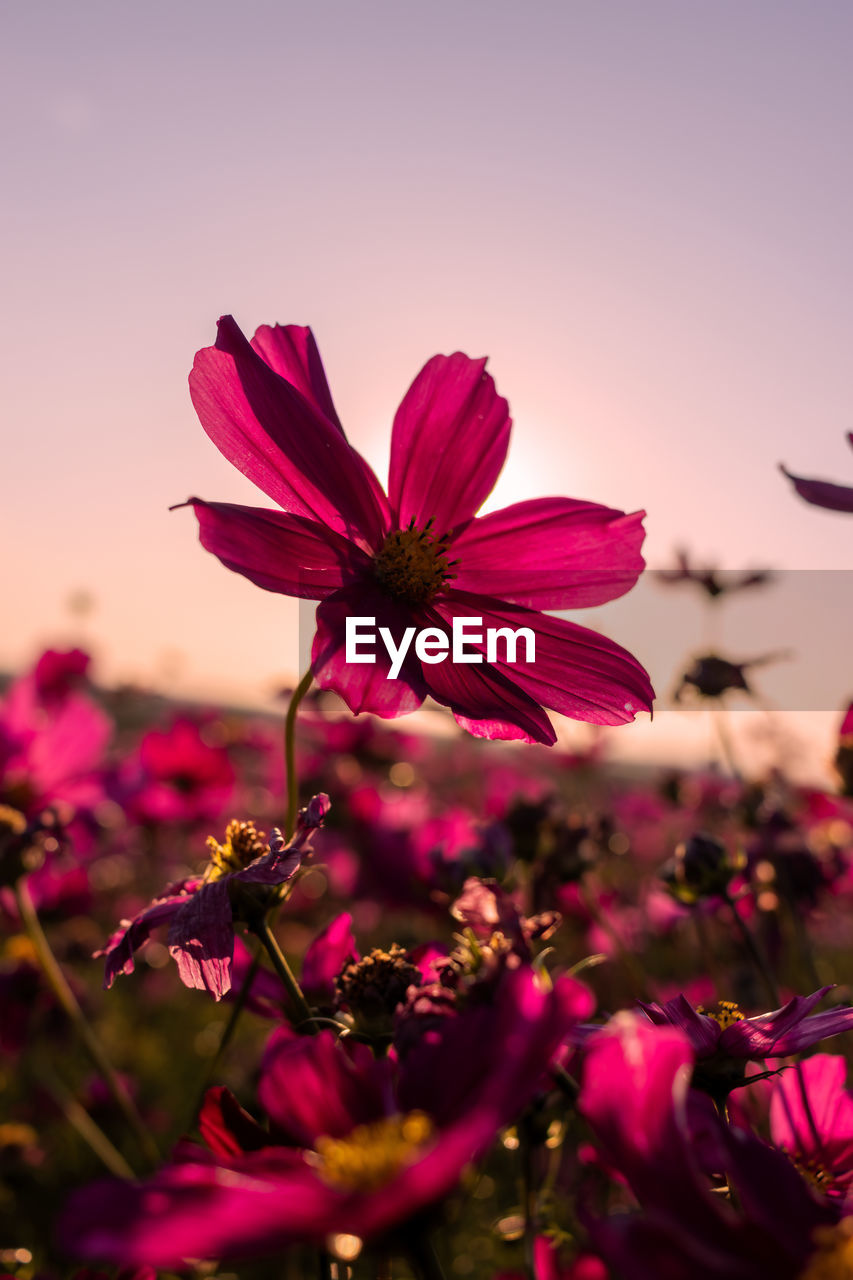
[
  {"x": 727, "y": 1013},
  {"x": 372, "y": 1154},
  {"x": 243, "y": 844}
]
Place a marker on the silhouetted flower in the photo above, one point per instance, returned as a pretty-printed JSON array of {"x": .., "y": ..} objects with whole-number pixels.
[{"x": 821, "y": 493}]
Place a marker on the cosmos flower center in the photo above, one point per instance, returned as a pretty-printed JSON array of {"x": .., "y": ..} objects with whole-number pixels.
[
  {"x": 242, "y": 845},
  {"x": 413, "y": 565},
  {"x": 373, "y": 986},
  {"x": 726, "y": 1014},
  {"x": 833, "y": 1258},
  {"x": 372, "y": 1154}
]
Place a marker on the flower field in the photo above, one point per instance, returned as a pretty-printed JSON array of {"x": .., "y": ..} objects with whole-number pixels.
[{"x": 320, "y": 991}]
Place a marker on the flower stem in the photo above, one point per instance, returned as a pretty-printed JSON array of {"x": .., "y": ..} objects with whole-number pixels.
[
  {"x": 290, "y": 752},
  {"x": 294, "y": 992},
  {"x": 89, "y": 1131},
  {"x": 757, "y": 957},
  {"x": 230, "y": 1027},
  {"x": 70, "y": 1005}
]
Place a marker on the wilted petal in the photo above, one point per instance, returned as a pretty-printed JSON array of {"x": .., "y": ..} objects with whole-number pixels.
[
  {"x": 201, "y": 939},
  {"x": 133, "y": 933},
  {"x": 280, "y": 440},
  {"x": 291, "y": 350},
  {"x": 278, "y": 551},
  {"x": 449, "y": 442},
  {"x": 551, "y": 553}
]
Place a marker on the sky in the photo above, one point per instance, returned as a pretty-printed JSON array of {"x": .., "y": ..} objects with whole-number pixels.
[{"x": 640, "y": 213}]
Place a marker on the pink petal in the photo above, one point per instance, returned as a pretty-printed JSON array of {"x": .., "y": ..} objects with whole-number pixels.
[
  {"x": 576, "y": 672},
  {"x": 226, "y": 1127},
  {"x": 449, "y": 442},
  {"x": 487, "y": 703},
  {"x": 281, "y": 441},
  {"x": 785, "y": 1030},
  {"x": 820, "y": 493},
  {"x": 551, "y": 553},
  {"x": 702, "y": 1032},
  {"x": 363, "y": 686},
  {"x": 332, "y": 948},
  {"x": 830, "y": 1106},
  {"x": 312, "y": 1085},
  {"x": 199, "y": 1210},
  {"x": 291, "y": 350},
  {"x": 278, "y": 551},
  {"x": 71, "y": 741}
]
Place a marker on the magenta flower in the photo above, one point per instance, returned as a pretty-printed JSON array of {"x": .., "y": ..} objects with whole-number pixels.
[
  {"x": 821, "y": 493},
  {"x": 52, "y": 742},
  {"x": 367, "y": 1142},
  {"x": 418, "y": 557},
  {"x": 178, "y": 777},
  {"x": 635, "y": 1097},
  {"x": 811, "y": 1119},
  {"x": 199, "y": 910},
  {"x": 729, "y": 1034}
]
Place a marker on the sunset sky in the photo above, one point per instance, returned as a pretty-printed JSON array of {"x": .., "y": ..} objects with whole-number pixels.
[{"x": 641, "y": 212}]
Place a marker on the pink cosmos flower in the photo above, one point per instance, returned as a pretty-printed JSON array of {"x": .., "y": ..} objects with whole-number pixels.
[
  {"x": 811, "y": 1118},
  {"x": 417, "y": 557},
  {"x": 729, "y": 1034},
  {"x": 821, "y": 493},
  {"x": 635, "y": 1097},
  {"x": 178, "y": 777},
  {"x": 199, "y": 910},
  {"x": 356, "y": 1145},
  {"x": 52, "y": 742}
]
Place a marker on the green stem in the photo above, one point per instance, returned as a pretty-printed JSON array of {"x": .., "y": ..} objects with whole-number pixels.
[
  {"x": 89, "y": 1131},
  {"x": 294, "y": 992},
  {"x": 227, "y": 1035},
  {"x": 290, "y": 752},
  {"x": 66, "y": 998},
  {"x": 757, "y": 957}
]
